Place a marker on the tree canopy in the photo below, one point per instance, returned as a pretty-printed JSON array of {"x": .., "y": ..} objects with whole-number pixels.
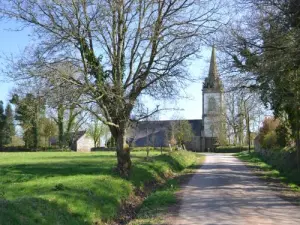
[{"x": 264, "y": 48}]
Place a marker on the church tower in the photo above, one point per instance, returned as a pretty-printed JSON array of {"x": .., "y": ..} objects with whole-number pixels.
[{"x": 212, "y": 105}]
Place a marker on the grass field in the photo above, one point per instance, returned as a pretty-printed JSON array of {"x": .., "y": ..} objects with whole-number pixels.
[
  {"x": 75, "y": 188},
  {"x": 289, "y": 177}
]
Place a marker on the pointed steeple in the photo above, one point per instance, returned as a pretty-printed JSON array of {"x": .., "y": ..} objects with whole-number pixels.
[
  {"x": 213, "y": 80},
  {"x": 213, "y": 70}
]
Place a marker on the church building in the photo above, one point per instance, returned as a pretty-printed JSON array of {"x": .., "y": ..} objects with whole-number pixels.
[{"x": 206, "y": 131}]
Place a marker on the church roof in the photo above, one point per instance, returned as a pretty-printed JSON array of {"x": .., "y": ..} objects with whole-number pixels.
[
  {"x": 212, "y": 81},
  {"x": 157, "y": 130}
]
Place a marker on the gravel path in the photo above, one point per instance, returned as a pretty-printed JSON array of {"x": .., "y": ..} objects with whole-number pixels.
[{"x": 224, "y": 191}]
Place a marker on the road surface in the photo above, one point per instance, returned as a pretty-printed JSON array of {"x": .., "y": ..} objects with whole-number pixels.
[{"x": 224, "y": 191}]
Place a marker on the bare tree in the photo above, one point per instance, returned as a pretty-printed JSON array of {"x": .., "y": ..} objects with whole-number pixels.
[
  {"x": 122, "y": 49},
  {"x": 231, "y": 117},
  {"x": 97, "y": 131},
  {"x": 243, "y": 110},
  {"x": 179, "y": 132},
  {"x": 183, "y": 132}
]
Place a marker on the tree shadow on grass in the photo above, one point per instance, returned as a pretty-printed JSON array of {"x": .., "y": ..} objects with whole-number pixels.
[
  {"x": 158, "y": 168},
  {"x": 143, "y": 170},
  {"x": 93, "y": 198},
  {"x": 35, "y": 211},
  {"x": 90, "y": 189},
  {"x": 99, "y": 199},
  {"x": 88, "y": 156},
  {"x": 60, "y": 166},
  {"x": 25, "y": 172}
]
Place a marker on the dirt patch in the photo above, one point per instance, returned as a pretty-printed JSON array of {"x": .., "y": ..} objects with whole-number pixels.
[
  {"x": 130, "y": 207},
  {"x": 128, "y": 210}
]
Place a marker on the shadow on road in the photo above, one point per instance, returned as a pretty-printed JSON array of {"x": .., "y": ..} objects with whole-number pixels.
[{"x": 224, "y": 191}]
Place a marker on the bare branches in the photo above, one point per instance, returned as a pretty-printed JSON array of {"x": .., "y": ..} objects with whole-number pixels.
[{"x": 120, "y": 48}]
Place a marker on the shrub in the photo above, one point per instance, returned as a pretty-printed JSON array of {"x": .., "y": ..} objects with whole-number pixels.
[
  {"x": 111, "y": 143},
  {"x": 137, "y": 149},
  {"x": 231, "y": 149},
  {"x": 269, "y": 124},
  {"x": 269, "y": 140},
  {"x": 283, "y": 135}
]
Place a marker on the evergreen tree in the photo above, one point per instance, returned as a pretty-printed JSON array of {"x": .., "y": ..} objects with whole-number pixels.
[
  {"x": 28, "y": 112},
  {"x": 9, "y": 126},
  {"x": 2, "y": 124},
  {"x": 267, "y": 49}
]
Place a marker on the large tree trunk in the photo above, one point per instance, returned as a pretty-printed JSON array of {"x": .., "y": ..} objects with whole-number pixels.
[
  {"x": 297, "y": 138},
  {"x": 247, "y": 117},
  {"x": 123, "y": 151},
  {"x": 123, "y": 155},
  {"x": 60, "y": 124},
  {"x": 235, "y": 138},
  {"x": 298, "y": 146},
  {"x": 35, "y": 131}
]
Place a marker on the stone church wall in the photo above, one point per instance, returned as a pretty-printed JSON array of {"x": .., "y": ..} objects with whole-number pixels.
[
  {"x": 195, "y": 145},
  {"x": 217, "y": 97},
  {"x": 210, "y": 118}
]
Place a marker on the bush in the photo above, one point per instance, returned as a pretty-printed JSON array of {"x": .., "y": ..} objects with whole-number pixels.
[
  {"x": 137, "y": 149},
  {"x": 269, "y": 125},
  {"x": 39, "y": 149},
  {"x": 133, "y": 149},
  {"x": 283, "y": 135},
  {"x": 269, "y": 140},
  {"x": 102, "y": 149},
  {"x": 111, "y": 143},
  {"x": 283, "y": 159},
  {"x": 231, "y": 149},
  {"x": 279, "y": 164},
  {"x": 14, "y": 149}
]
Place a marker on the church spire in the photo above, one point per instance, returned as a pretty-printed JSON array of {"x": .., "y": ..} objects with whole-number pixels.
[
  {"x": 213, "y": 70},
  {"x": 213, "y": 80}
]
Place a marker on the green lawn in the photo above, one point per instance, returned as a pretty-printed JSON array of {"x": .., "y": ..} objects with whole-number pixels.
[{"x": 75, "y": 188}]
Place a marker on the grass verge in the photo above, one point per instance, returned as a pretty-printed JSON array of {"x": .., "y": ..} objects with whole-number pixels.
[
  {"x": 77, "y": 188},
  {"x": 156, "y": 205},
  {"x": 291, "y": 178}
]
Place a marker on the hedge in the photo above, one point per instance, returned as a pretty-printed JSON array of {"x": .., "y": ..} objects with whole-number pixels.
[{"x": 231, "y": 149}]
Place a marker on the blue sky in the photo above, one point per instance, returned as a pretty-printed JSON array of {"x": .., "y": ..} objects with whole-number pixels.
[
  {"x": 14, "y": 42},
  {"x": 11, "y": 42}
]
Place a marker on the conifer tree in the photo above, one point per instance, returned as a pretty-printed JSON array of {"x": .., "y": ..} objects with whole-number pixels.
[
  {"x": 2, "y": 123},
  {"x": 9, "y": 126}
]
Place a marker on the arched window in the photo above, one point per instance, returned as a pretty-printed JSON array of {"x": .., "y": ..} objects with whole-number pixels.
[{"x": 212, "y": 104}]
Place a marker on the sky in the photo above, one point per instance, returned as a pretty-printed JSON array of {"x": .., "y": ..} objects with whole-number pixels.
[
  {"x": 11, "y": 42},
  {"x": 14, "y": 42}
]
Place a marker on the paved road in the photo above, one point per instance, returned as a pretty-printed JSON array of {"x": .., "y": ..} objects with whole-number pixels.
[{"x": 225, "y": 192}]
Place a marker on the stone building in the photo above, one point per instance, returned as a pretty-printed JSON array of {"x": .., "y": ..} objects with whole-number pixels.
[
  {"x": 80, "y": 141},
  {"x": 206, "y": 130}
]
